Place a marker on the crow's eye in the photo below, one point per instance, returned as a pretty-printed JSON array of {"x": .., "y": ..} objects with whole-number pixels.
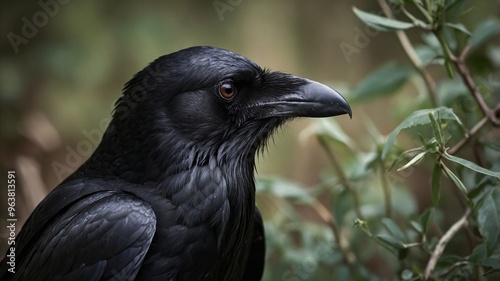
[{"x": 227, "y": 90}]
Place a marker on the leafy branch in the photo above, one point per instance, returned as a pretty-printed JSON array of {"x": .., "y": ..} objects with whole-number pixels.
[
  {"x": 412, "y": 55},
  {"x": 396, "y": 195},
  {"x": 439, "y": 118}
]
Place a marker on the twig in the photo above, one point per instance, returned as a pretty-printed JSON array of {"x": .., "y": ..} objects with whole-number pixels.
[
  {"x": 325, "y": 214},
  {"x": 438, "y": 250},
  {"x": 342, "y": 176},
  {"x": 489, "y": 115},
  {"x": 412, "y": 55},
  {"x": 471, "y": 85},
  {"x": 453, "y": 266},
  {"x": 468, "y": 136}
]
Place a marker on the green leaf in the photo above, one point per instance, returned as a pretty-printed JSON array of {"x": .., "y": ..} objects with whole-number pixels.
[
  {"x": 481, "y": 190},
  {"x": 449, "y": 90},
  {"x": 458, "y": 26},
  {"x": 414, "y": 161},
  {"x": 488, "y": 219},
  {"x": 420, "y": 117},
  {"x": 342, "y": 204},
  {"x": 426, "y": 219},
  {"x": 426, "y": 54},
  {"x": 328, "y": 128},
  {"x": 478, "y": 253},
  {"x": 381, "y": 23},
  {"x": 458, "y": 183},
  {"x": 433, "y": 42},
  {"x": 486, "y": 30},
  {"x": 393, "y": 228},
  {"x": 436, "y": 183},
  {"x": 471, "y": 165},
  {"x": 450, "y": 4},
  {"x": 493, "y": 262},
  {"x": 384, "y": 81},
  {"x": 284, "y": 189},
  {"x": 416, "y": 226},
  {"x": 449, "y": 260},
  {"x": 391, "y": 241}
]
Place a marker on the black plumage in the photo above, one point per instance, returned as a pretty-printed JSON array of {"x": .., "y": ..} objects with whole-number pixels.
[{"x": 169, "y": 193}]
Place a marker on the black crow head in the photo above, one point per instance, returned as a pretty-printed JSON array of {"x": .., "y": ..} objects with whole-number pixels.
[{"x": 206, "y": 101}]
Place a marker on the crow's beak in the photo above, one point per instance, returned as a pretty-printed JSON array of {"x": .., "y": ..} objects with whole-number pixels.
[
  {"x": 310, "y": 100},
  {"x": 320, "y": 100}
]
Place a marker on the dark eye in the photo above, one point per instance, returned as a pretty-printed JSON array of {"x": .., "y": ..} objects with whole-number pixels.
[{"x": 227, "y": 90}]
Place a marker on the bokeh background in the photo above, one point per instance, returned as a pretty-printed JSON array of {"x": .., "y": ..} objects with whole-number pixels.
[{"x": 64, "y": 63}]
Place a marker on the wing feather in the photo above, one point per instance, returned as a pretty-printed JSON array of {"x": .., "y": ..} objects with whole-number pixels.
[{"x": 99, "y": 237}]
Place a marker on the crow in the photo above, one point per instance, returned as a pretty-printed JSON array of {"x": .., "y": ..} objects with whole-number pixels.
[{"x": 169, "y": 193}]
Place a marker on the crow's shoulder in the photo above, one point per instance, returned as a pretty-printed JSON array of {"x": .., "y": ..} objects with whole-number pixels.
[{"x": 84, "y": 221}]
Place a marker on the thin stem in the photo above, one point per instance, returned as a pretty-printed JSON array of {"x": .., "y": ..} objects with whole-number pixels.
[
  {"x": 386, "y": 190},
  {"x": 412, "y": 55},
  {"x": 342, "y": 176},
  {"x": 414, "y": 20},
  {"x": 468, "y": 136},
  {"x": 471, "y": 85},
  {"x": 415, "y": 244},
  {"x": 324, "y": 213},
  {"x": 423, "y": 11},
  {"x": 453, "y": 267},
  {"x": 444, "y": 45},
  {"x": 438, "y": 250}
]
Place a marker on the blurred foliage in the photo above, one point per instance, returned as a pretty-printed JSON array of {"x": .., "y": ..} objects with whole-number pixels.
[
  {"x": 58, "y": 89},
  {"x": 359, "y": 233}
]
